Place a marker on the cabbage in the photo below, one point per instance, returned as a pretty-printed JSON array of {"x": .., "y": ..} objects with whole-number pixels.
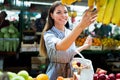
[
  {"x": 4, "y": 30},
  {"x": 12, "y": 29},
  {"x": 6, "y": 35}
]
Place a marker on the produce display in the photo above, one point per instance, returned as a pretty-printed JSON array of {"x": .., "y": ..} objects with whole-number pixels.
[
  {"x": 104, "y": 42},
  {"x": 22, "y": 75},
  {"x": 101, "y": 74},
  {"x": 9, "y": 38}
]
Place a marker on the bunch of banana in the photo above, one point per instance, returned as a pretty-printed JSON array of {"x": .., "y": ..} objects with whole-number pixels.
[
  {"x": 101, "y": 9},
  {"x": 116, "y": 13},
  {"x": 69, "y": 2},
  {"x": 91, "y": 4},
  {"x": 108, "y": 12}
]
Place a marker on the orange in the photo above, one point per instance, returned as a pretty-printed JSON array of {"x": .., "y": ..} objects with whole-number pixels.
[
  {"x": 60, "y": 78},
  {"x": 42, "y": 76}
]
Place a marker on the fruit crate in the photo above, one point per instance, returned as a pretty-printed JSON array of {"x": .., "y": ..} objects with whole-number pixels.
[
  {"x": 28, "y": 47},
  {"x": 114, "y": 65}
]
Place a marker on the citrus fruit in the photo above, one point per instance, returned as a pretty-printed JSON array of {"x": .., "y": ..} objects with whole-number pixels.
[
  {"x": 60, "y": 78},
  {"x": 42, "y": 77}
]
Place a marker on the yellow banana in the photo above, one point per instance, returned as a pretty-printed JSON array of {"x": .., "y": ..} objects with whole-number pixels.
[
  {"x": 63, "y": 2},
  {"x": 91, "y": 4},
  {"x": 101, "y": 11},
  {"x": 68, "y": 2},
  {"x": 99, "y": 3},
  {"x": 116, "y": 13},
  {"x": 108, "y": 12}
]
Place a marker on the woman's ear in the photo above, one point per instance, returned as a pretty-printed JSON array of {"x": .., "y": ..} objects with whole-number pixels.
[{"x": 51, "y": 15}]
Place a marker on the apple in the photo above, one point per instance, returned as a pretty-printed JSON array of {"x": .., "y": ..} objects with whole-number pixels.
[
  {"x": 107, "y": 78},
  {"x": 11, "y": 74},
  {"x": 30, "y": 78},
  {"x": 101, "y": 77},
  {"x": 101, "y": 71},
  {"x": 1, "y": 73},
  {"x": 95, "y": 76},
  {"x": 117, "y": 75},
  {"x": 112, "y": 76},
  {"x": 18, "y": 78},
  {"x": 24, "y": 74}
]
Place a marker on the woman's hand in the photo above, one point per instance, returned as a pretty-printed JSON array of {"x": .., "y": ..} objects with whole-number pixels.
[
  {"x": 87, "y": 43},
  {"x": 88, "y": 18}
]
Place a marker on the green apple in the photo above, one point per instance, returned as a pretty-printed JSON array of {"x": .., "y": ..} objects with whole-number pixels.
[
  {"x": 11, "y": 74},
  {"x": 30, "y": 78},
  {"x": 1, "y": 73},
  {"x": 17, "y": 78},
  {"x": 24, "y": 74}
]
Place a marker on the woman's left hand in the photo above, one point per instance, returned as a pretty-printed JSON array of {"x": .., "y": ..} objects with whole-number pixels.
[{"x": 88, "y": 41}]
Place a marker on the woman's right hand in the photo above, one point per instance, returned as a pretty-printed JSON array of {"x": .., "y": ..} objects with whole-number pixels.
[{"x": 88, "y": 18}]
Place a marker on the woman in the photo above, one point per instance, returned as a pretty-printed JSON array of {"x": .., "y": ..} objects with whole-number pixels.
[{"x": 57, "y": 42}]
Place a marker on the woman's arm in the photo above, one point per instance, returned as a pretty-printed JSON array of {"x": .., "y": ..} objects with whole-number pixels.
[{"x": 88, "y": 18}]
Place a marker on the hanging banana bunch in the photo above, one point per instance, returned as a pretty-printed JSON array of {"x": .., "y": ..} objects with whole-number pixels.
[
  {"x": 116, "y": 13},
  {"x": 99, "y": 4},
  {"x": 108, "y": 12},
  {"x": 101, "y": 9},
  {"x": 91, "y": 4},
  {"x": 69, "y": 2}
]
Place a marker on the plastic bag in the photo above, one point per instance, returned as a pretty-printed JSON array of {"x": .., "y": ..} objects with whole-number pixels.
[{"x": 85, "y": 72}]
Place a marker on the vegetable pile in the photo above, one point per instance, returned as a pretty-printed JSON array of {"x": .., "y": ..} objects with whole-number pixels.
[{"x": 9, "y": 38}]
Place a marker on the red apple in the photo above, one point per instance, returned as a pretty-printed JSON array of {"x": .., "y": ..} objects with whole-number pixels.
[
  {"x": 101, "y": 71},
  {"x": 95, "y": 76},
  {"x": 112, "y": 76},
  {"x": 101, "y": 77},
  {"x": 118, "y": 76},
  {"x": 107, "y": 78}
]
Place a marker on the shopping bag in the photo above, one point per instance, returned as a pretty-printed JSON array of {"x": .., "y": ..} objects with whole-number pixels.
[{"x": 84, "y": 73}]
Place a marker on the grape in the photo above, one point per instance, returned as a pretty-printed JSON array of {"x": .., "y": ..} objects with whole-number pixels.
[{"x": 78, "y": 64}]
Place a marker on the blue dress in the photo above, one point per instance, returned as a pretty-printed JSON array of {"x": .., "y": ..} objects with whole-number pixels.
[{"x": 59, "y": 60}]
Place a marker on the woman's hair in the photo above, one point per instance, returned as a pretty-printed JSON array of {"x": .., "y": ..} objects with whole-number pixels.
[{"x": 49, "y": 24}]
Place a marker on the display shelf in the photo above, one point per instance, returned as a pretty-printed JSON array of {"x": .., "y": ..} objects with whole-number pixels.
[{"x": 4, "y": 53}]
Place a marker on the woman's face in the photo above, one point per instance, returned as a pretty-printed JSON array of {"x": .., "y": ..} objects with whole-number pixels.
[{"x": 60, "y": 15}]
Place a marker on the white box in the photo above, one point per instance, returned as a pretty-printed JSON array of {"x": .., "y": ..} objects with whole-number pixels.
[
  {"x": 95, "y": 47},
  {"x": 28, "y": 47}
]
